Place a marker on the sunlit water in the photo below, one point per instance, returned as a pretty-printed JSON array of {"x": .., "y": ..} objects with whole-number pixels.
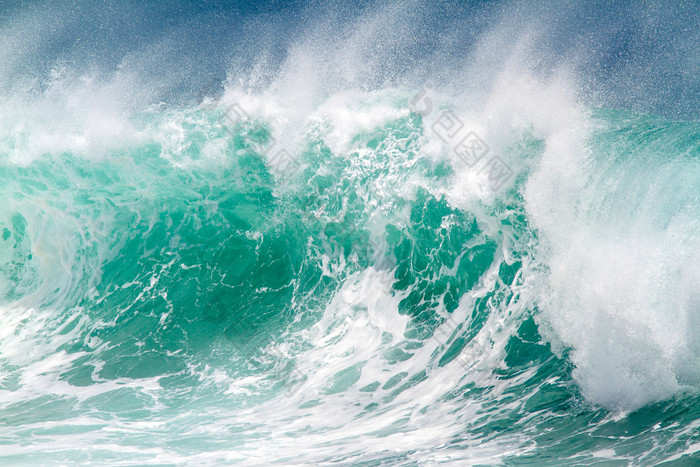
[{"x": 362, "y": 247}]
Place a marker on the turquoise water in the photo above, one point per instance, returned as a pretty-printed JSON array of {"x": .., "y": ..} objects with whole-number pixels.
[
  {"x": 304, "y": 268},
  {"x": 186, "y": 305}
]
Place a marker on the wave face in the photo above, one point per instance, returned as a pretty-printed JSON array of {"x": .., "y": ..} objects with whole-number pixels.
[{"x": 298, "y": 234}]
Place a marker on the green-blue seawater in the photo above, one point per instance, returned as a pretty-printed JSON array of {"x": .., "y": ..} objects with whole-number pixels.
[{"x": 306, "y": 268}]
